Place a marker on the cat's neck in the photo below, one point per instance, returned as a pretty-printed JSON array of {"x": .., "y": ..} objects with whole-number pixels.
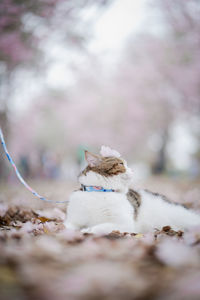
[{"x": 93, "y": 188}]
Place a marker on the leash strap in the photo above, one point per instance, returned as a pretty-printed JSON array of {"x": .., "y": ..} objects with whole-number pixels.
[{"x": 19, "y": 175}]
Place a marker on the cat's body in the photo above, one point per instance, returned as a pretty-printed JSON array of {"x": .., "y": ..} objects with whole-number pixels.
[
  {"x": 97, "y": 212},
  {"x": 156, "y": 211},
  {"x": 116, "y": 206}
]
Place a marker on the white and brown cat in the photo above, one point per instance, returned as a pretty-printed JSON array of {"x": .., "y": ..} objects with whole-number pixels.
[{"x": 106, "y": 202}]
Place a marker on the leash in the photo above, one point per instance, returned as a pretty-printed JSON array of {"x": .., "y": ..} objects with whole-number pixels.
[{"x": 19, "y": 175}]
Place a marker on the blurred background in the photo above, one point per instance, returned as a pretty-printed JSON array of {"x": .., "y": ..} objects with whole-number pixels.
[{"x": 79, "y": 74}]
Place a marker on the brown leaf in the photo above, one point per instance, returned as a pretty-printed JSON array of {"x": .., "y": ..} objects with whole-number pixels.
[{"x": 44, "y": 219}]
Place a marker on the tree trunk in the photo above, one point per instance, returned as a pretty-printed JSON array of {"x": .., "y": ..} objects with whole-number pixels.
[
  {"x": 160, "y": 164},
  {"x": 4, "y": 127}
]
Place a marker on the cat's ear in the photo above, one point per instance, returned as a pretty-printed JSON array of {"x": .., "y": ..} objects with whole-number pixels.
[{"x": 92, "y": 159}]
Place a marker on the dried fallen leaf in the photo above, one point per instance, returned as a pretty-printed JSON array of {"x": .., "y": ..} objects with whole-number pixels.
[
  {"x": 139, "y": 235},
  {"x": 44, "y": 219}
]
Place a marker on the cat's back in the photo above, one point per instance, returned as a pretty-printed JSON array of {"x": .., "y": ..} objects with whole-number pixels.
[
  {"x": 156, "y": 211},
  {"x": 147, "y": 202}
]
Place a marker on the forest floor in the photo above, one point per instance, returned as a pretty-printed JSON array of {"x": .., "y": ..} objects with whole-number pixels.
[{"x": 40, "y": 259}]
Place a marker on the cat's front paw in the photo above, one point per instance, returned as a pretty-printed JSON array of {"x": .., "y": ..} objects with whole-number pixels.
[
  {"x": 103, "y": 229},
  {"x": 86, "y": 230},
  {"x": 100, "y": 231},
  {"x": 96, "y": 230},
  {"x": 69, "y": 225}
]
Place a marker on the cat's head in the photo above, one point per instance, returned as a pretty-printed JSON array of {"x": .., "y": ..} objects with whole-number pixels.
[{"x": 107, "y": 170}]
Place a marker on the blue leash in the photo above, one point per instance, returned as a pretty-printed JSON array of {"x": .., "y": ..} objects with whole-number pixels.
[{"x": 19, "y": 175}]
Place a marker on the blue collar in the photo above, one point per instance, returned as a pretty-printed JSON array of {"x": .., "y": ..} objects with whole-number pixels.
[{"x": 95, "y": 189}]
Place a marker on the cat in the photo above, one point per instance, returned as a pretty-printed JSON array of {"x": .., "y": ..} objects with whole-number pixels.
[{"x": 106, "y": 203}]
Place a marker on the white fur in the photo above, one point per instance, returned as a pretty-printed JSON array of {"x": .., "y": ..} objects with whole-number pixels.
[
  {"x": 155, "y": 213},
  {"x": 100, "y": 213},
  {"x": 107, "y": 151},
  {"x": 103, "y": 212}
]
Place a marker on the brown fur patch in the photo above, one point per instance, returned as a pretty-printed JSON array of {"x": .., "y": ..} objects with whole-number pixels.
[
  {"x": 108, "y": 166},
  {"x": 135, "y": 199}
]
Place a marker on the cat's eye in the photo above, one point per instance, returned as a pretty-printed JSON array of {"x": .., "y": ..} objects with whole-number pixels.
[{"x": 121, "y": 163}]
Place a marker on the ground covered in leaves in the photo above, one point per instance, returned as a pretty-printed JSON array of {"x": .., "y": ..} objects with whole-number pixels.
[{"x": 40, "y": 259}]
